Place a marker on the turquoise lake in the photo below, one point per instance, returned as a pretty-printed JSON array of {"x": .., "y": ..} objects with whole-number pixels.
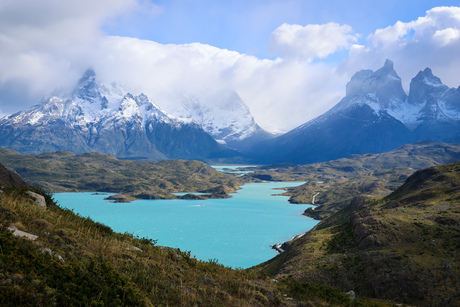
[{"x": 236, "y": 231}]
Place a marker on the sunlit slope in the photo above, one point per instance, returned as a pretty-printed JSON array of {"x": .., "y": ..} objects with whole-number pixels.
[{"x": 402, "y": 247}]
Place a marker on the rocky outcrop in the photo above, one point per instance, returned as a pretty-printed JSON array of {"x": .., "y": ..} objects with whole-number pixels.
[
  {"x": 364, "y": 225},
  {"x": 10, "y": 179},
  {"x": 39, "y": 199},
  {"x": 22, "y": 234}
]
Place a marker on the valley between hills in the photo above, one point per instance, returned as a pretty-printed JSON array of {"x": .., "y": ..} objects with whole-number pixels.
[
  {"x": 389, "y": 231},
  {"x": 381, "y": 167}
]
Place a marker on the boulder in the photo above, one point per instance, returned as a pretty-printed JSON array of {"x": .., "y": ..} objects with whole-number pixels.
[
  {"x": 134, "y": 248},
  {"x": 39, "y": 199},
  {"x": 46, "y": 250},
  {"x": 22, "y": 234},
  {"x": 352, "y": 294}
]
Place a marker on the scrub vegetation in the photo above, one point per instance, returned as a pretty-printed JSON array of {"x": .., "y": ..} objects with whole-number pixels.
[
  {"x": 388, "y": 233},
  {"x": 76, "y": 261},
  {"x": 79, "y": 262},
  {"x": 404, "y": 247}
]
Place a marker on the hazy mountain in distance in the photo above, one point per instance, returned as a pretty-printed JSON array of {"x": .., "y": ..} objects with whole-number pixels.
[{"x": 222, "y": 114}]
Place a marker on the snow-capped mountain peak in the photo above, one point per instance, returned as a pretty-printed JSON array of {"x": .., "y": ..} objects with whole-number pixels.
[
  {"x": 425, "y": 86},
  {"x": 106, "y": 118},
  {"x": 381, "y": 88},
  {"x": 387, "y": 71},
  {"x": 87, "y": 88},
  {"x": 222, "y": 114},
  {"x": 426, "y": 76},
  {"x": 374, "y": 116},
  {"x": 382, "y": 91}
]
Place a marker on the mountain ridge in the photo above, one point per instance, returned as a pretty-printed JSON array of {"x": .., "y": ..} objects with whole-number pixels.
[
  {"x": 375, "y": 116},
  {"x": 64, "y": 171},
  {"x": 108, "y": 119}
]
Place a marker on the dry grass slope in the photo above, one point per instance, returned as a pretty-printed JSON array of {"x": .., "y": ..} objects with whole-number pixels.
[
  {"x": 404, "y": 247},
  {"x": 77, "y": 261}
]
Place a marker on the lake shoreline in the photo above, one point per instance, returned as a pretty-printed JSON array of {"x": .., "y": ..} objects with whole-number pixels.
[{"x": 222, "y": 225}]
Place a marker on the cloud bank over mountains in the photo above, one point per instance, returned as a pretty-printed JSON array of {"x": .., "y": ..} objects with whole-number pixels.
[
  {"x": 432, "y": 40},
  {"x": 49, "y": 45}
]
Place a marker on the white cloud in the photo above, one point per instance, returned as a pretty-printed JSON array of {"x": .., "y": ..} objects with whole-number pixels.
[
  {"x": 42, "y": 43},
  {"x": 446, "y": 36},
  {"x": 430, "y": 41},
  {"x": 45, "y": 23},
  {"x": 311, "y": 41},
  {"x": 281, "y": 94},
  {"x": 50, "y": 44}
]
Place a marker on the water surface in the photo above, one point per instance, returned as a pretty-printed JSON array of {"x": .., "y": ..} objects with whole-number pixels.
[
  {"x": 233, "y": 169},
  {"x": 236, "y": 231}
]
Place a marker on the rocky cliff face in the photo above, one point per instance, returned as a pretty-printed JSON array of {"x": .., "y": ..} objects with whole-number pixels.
[
  {"x": 439, "y": 115},
  {"x": 108, "y": 119},
  {"x": 375, "y": 116},
  {"x": 381, "y": 89},
  {"x": 364, "y": 225},
  {"x": 10, "y": 179}
]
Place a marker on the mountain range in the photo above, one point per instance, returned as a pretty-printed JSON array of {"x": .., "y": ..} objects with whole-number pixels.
[
  {"x": 376, "y": 115},
  {"x": 107, "y": 118}
]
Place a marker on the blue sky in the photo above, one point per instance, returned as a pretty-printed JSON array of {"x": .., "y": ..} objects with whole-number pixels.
[
  {"x": 245, "y": 26},
  {"x": 288, "y": 60}
]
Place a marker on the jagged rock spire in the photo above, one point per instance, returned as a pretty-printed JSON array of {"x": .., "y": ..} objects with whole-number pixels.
[
  {"x": 384, "y": 84},
  {"x": 87, "y": 87},
  {"x": 425, "y": 86}
]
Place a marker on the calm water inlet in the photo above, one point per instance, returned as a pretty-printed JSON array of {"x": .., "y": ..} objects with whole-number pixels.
[{"x": 236, "y": 231}]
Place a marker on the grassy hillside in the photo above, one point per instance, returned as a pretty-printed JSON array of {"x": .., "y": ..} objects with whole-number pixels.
[
  {"x": 65, "y": 172},
  {"x": 78, "y": 262},
  {"x": 336, "y": 182},
  {"x": 404, "y": 247}
]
